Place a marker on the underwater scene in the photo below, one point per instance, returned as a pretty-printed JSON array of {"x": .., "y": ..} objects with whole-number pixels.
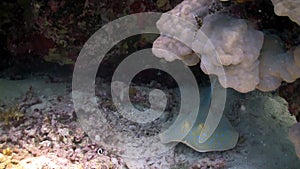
[{"x": 150, "y": 84}]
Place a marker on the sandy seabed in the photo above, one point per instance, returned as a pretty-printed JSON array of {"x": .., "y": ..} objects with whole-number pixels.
[{"x": 50, "y": 135}]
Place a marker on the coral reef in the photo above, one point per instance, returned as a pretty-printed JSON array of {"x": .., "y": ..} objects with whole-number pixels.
[
  {"x": 56, "y": 30},
  {"x": 290, "y": 8},
  {"x": 42, "y": 28},
  {"x": 234, "y": 45},
  {"x": 187, "y": 10},
  {"x": 276, "y": 65},
  {"x": 179, "y": 50}
]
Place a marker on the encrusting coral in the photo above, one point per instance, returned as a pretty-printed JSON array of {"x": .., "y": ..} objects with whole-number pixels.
[
  {"x": 224, "y": 42},
  {"x": 290, "y": 8},
  {"x": 178, "y": 49},
  {"x": 187, "y": 10},
  {"x": 276, "y": 65},
  {"x": 232, "y": 44}
]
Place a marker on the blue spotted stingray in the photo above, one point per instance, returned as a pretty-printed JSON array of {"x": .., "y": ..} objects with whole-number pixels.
[{"x": 223, "y": 138}]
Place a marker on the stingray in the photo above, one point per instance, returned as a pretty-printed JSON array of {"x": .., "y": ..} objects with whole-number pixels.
[{"x": 223, "y": 137}]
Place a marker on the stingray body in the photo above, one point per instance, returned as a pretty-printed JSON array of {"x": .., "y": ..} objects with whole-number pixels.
[{"x": 224, "y": 136}]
